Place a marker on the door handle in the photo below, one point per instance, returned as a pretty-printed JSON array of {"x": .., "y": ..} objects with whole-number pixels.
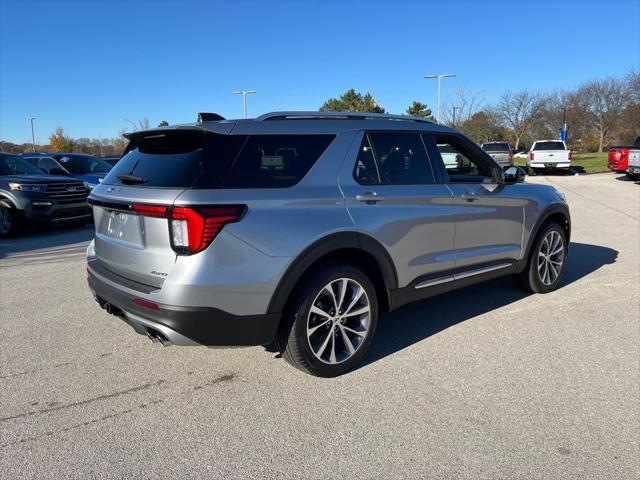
[
  {"x": 369, "y": 197},
  {"x": 469, "y": 196}
]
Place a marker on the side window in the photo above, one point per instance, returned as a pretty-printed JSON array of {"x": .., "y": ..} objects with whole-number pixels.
[
  {"x": 461, "y": 163},
  {"x": 401, "y": 159},
  {"x": 275, "y": 161},
  {"x": 365, "y": 171}
]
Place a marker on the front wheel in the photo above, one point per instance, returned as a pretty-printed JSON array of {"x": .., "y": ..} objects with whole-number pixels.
[
  {"x": 546, "y": 262},
  {"x": 10, "y": 224},
  {"x": 330, "y": 321}
]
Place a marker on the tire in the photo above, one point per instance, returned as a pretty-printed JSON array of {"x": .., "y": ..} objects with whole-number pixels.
[
  {"x": 10, "y": 221},
  {"x": 538, "y": 275},
  {"x": 531, "y": 171},
  {"x": 330, "y": 355}
]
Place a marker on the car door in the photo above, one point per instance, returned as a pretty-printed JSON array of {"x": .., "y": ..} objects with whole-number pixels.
[
  {"x": 392, "y": 195},
  {"x": 489, "y": 213}
]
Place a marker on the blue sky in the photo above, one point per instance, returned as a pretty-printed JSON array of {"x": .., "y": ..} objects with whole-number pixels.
[{"x": 86, "y": 66}]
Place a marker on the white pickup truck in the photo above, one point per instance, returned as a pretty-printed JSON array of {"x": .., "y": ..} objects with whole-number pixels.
[
  {"x": 548, "y": 155},
  {"x": 633, "y": 167}
]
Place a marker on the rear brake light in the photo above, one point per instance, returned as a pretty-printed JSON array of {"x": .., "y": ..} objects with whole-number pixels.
[
  {"x": 150, "y": 210},
  {"x": 531, "y": 156},
  {"x": 511, "y": 157},
  {"x": 570, "y": 155},
  {"x": 192, "y": 229}
]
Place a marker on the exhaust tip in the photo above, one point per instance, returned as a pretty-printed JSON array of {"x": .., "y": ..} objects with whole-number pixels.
[{"x": 157, "y": 337}]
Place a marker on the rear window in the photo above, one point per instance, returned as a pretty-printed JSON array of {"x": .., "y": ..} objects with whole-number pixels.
[
  {"x": 549, "y": 146},
  {"x": 193, "y": 158},
  {"x": 496, "y": 147}
]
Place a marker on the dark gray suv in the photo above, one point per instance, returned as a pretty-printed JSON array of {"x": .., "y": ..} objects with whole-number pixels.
[{"x": 300, "y": 228}]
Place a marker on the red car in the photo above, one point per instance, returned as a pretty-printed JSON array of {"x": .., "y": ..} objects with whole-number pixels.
[{"x": 619, "y": 157}]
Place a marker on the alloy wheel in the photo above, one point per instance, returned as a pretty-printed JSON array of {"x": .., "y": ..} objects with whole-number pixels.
[
  {"x": 550, "y": 258},
  {"x": 338, "y": 321}
]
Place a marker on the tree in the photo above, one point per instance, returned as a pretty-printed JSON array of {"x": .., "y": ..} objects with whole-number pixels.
[
  {"x": 352, "y": 101},
  {"x": 417, "y": 109},
  {"x": 60, "y": 142},
  {"x": 163, "y": 123},
  {"x": 483, "y": 127},
  {"x": 604, "y": 101},
  {"x": 518, "y": 111},
  {"x": 457, "y": 111}
]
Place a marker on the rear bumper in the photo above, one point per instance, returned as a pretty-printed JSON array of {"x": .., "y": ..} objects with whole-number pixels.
[
  {"x": 187, "y": 326},
  {"x": 549, "y": 165}
]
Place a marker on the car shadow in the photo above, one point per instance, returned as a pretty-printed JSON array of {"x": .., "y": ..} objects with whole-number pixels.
[
  {"x": 420, "y": 320},
  {"x": 626, "y": 178},
  {"x": 57, "y": 239}
]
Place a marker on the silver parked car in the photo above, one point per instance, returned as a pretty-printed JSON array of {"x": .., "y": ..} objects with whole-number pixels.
[
  {"x": 500, "y": 151},
  {"x": 301, "y": 228}
]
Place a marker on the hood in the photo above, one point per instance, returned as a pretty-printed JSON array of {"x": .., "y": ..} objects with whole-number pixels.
[
  {"x": 91, "y": 178},
  {"x": 44, "y": 178}
]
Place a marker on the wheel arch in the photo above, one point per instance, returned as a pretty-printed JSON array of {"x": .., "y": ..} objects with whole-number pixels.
[
  {"x": 352, "y": 248},
  {"x": 557, "y": 213}
]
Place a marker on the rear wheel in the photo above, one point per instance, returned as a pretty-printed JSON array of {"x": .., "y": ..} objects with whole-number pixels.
[
  {"x": 10, "y": 224},
  {"x": 546, "y": 262},
  {"x": 330, "y": 321},
  {"x": 531, "y": 171}
]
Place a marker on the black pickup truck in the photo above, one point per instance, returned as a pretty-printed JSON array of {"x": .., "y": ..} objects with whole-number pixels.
[{"x": 29, "y": 196}]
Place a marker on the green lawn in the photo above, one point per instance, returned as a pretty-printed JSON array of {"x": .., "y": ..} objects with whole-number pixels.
[{"x": 582, "y": 162}]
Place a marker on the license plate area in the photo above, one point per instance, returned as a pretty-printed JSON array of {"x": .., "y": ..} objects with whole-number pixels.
[{"x": 122, "y": 227}]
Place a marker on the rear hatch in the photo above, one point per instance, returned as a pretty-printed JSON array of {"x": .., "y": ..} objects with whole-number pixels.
[{"x": 131, "y": 206}]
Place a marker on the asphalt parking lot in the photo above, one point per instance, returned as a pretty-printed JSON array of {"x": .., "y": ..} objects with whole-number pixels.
[{"x": 485, "y": 382}]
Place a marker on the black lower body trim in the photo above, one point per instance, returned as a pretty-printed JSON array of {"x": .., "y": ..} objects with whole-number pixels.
[{"x": 206, "y": 326}]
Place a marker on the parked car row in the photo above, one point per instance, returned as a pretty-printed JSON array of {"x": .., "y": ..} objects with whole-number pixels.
[{"x": 47, "y": 189}]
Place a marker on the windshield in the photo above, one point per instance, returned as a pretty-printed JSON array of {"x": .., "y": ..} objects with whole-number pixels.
[
  {"x": 496, "y": 147},
  {"x": 12, "y": 165},
  {"x": 549, "y": 146},
  {"x": 83, "y": 164}
]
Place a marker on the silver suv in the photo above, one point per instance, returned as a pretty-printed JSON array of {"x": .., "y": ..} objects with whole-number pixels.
[{"x": 301, "y": 228}]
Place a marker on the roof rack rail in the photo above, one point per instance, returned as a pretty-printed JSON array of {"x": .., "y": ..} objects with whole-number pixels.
[{"x": 338, "y": 116}]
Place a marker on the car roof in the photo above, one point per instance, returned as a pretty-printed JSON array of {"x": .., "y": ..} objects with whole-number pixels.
[{"x": 297, "y": 122}]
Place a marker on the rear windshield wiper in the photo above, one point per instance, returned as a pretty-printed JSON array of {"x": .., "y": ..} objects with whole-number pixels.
[{"x": 131, "y": 179}]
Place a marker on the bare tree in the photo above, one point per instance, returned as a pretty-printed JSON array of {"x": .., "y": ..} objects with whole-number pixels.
[
  {"x": 518, "y": 111},
  {"x": 462, "y": 107},
  {"x": 604, "y": 101}
]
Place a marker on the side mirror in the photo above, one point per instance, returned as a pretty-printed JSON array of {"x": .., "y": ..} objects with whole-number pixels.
[
  {"x": 513, "y": 175},
  {"x": 57, "y": 171}
]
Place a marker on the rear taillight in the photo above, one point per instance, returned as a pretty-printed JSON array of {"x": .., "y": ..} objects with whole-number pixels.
[
  {"x": 531, "y": 156},
  {"x": 570, "y": 155},
  {"x": 510, "y": 157},
  {"x": 192, "y": 229}
]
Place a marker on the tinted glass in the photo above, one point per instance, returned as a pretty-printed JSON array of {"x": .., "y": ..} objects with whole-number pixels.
[
  {"x": 402, "y": 158},
  {"x": 46, "y": 164},
  {"x": 14, "y": 165},
  {"x": 173, "y": 159},
  {"x": 496, "y": 147},
  {"x": 83, "y": 164},
  {"x": 366, "y": 171},
  {"x": 549, "y": 146},
  {"x": 269, "y": 161}
]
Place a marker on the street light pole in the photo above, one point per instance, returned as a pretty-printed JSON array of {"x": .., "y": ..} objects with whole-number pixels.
[
  {"x": 244, "y": 94},
  {"x": 33, "y": 137},
  {"x": 439, "y": 76}
]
